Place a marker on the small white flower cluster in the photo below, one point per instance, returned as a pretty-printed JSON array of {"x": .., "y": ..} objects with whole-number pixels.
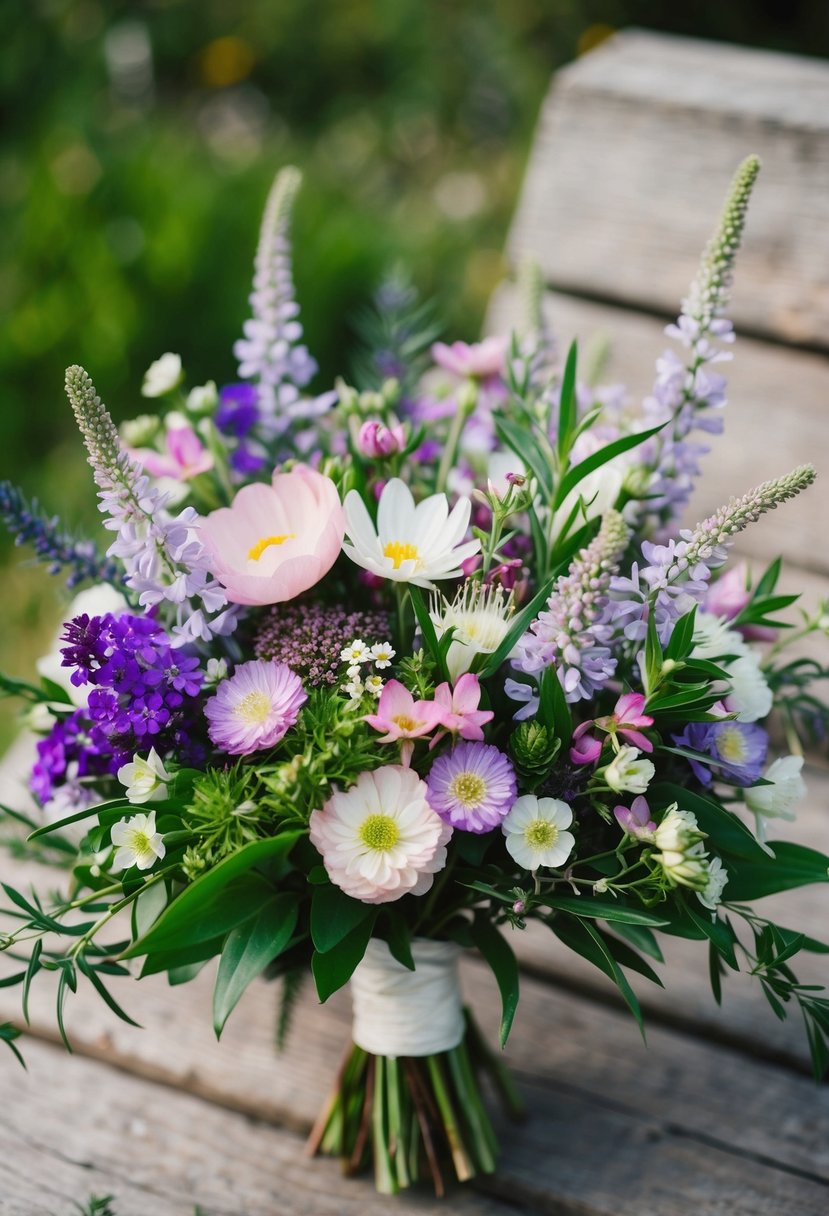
[
  {"x": 358, "y": 655},
  {"x": 683, "y": 857}
]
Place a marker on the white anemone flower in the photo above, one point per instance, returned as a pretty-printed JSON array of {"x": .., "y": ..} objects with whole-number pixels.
[
  {"x": 137, "y": 843},
  {"x": 535, "y": 832},
  {"x": 412, "y": 543},
  {"x": 162, "y": 376},
  {"x": 480, "y": 617},
  {"x": 777, "y": 800},
  {"x": 146, "y": 780}
]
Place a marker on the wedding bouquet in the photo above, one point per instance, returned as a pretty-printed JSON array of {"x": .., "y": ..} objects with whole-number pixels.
[{"x": 372, "y": 677}]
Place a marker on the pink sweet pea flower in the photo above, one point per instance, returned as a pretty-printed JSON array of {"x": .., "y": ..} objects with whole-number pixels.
[
  {"x": 636, "y": 819},
  {"x": 459, "y": 709},
  {"x": 402, "y": 718},
  {"x": 275, "y": 541},
  {"x": 185, "y": 455},
  {"x": 480, "y": 361},
  {"x": 627, "y": 716},
  {"x": 586, "y": 748}
]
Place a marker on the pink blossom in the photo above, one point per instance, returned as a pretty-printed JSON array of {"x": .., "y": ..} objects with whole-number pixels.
[
  {"x": 627, "y": 716},
  {"x": 377, "y": 441},
  {"x": 459, "y": 708},
  {"x": 402, "y": 718},
  {"x": 185, "y": 455},
  {"x": 586, "y": 748},
  {"x": 635, "y": 820},
  {"x": 481, "y": 360},
  {"x": 728, "y": 596},
  {"x": 275, "y": 541}
]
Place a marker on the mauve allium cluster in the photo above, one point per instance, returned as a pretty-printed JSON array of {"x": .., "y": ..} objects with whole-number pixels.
[{"x": 310, "y": 637}]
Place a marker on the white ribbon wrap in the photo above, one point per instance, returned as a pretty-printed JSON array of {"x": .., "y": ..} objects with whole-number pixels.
[{"x": 398, "y": 1012}]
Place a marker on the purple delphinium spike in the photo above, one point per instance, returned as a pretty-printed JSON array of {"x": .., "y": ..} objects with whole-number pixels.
[
  {"x": 688, "y": 393},
  {"x": 574, "y": 632},
  {"x": 162, "y": 555},
  {"x": 271, "y": 352},
  {"x": 60, "y": 551}
]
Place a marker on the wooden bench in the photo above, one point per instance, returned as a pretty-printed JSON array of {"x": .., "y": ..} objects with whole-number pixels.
[{"x": 716, "y": 1115}]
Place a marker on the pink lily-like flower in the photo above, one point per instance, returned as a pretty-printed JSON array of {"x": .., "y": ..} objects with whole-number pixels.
[
  {"x": 481, "y": 360},
  {"x": 459, "y": 709},
  {"x": 403, "y": 719},
  {"x": 185, "y": 455},
  {"x": 586, "y": 748},
  {"x": 625, "y": 720},
  {"x": 636, "y": 819}
]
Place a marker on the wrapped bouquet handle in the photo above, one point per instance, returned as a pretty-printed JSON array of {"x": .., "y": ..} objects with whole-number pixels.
[{"x": 399, "y": 1012}]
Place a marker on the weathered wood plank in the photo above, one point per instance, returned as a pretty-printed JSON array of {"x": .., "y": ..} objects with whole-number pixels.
[
  {"x": 636, "y": 145},
  {"x": 75, "y": 1127},
  {"x": 687, "y": 1086},
  {"x": 777, "y": 417}
]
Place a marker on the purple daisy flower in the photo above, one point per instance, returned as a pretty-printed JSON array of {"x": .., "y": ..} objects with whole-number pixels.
[
  {"x": 255, "y": 707},
  {"x": 472, "y": 787}
]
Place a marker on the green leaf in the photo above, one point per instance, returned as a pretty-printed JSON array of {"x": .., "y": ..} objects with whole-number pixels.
[
  {"x": 567, "y": 404},
  {"x": 101, "y": 809},
  {"x": 98, "y": 984},
  {"x": 553, "y": 710},
  {"x": 333, "y": 916},
  {"x": 8, "y": 1034},
  {"x": 400, "y": 938},
  {"x": 427, "y": 628},
  {"x": 682, "y": 636},
  {"x": 526, "y": 443},
  {"x": 336, "y": 967},
  {"x": 182, "y": 959},
  {"x": 653, "y": 655},
  {"x": 602, "y": 909},
  {"x": 499, "y": 955},
  {"x": 219, "y": 900},
  {"x": 585, "y": 939},
  {"x": 519, "y": 626},
  {"x": 641, "y": 938},
  {"x": 608, "y": 452},
  {"x": 719, "y": 933},
  {"x": 793, "y": 865},
  {"x": 247, "y": 951}
]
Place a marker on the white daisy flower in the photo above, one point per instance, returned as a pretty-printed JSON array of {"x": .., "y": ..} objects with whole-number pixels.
[
  {"x": 534, "y": 831},
  {"x": 146, "y": 780},
  {"x": 162, "y": 376},
  {"x": 374, "y": 685},
  {"x": 137, "y": 843},
  {"x": 357, "y": 652},
  {"x": 382, "y": 653},
  {"x": 412, "y": 543},
  {"x": 480, "y": 616},
  {"x": 380, "y": 840}
]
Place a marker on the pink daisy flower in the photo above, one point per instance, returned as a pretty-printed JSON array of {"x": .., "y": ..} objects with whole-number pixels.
[{"x": 255, "y": 707}]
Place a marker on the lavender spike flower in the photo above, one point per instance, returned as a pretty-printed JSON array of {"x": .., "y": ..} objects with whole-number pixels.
[
  {"x": 574, "y": 632},
  {"x": 677, "y": 575},
  {"x": 271, "y": 351},
  {"x": 29, "y": 525},
  {"x": 162, "y": 555},
  {"x": 689, "y": 391}
]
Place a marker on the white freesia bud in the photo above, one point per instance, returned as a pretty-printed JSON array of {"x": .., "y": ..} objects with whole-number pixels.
[
  {"x": 146, "y": 780},
  {"x": 162, "y": 376},
  {"x": 203, "y": 399},
  {"x": 626, "y": 773},
  {"x": 678, "y": 832},
  {"x": 140, "y": 432},
  {"x": 681, "y": 853}
]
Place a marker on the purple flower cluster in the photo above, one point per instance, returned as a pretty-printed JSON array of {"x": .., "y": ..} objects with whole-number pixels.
[
  {"x": 574, "y": 632},
  {"x": 28, "y": 525},
  {"x": 310, "y": 637},
  {"x": 271, "y": 351},
  {"x": 141, "y": 696},
  {"x": 737, "y": 751},
  {"x": 236, "y": 418}
]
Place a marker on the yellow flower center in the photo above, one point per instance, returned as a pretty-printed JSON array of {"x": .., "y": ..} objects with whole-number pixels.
[
  {"x": 265, "y": 543},
  {"x": 140, "y": 843},
  {"x": 540, "y": 834},
  {"x": 401, "y": 551},
  {"x": 405, "y": 723},
  {"x": 731, "y": 745},
  {"x": 468, "y": 789},
  {"x": 254, "y": 707},
  {"x": 379, "y": 832}
]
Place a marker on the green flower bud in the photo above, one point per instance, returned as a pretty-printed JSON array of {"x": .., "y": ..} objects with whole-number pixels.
[{"x": 533, "y": 748}]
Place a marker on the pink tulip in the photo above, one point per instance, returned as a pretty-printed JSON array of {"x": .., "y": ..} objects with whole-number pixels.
[
  {"x": 275, "y": 541},
  {"x": 481, "y": 360},
  {"x": 185, "y": 455}
]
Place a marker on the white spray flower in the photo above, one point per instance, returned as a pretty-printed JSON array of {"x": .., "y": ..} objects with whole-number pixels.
[
  {"x": 146, "y": 780},
  {"x": 628, "y": 774},
  {"x": 137, "y": 843},
  {"x": 777, "y": 800},
  {"x": 162, "y": 376}
]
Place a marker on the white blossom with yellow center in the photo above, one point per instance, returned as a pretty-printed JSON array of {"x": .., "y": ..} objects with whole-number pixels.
[
  {"x": 137, "y": 843},
  {"x": 480, "y": 617},
  {"x": 535, "y": 831},
  {"x": 412, "y": 543}
]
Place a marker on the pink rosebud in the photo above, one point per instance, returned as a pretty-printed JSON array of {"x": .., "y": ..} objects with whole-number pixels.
[{"x": 376, "y": 441}]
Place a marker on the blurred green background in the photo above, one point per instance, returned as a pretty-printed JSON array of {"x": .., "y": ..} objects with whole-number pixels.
[{"x": 139, "y": 143}]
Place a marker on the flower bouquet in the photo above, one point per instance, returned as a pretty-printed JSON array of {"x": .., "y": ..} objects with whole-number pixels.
[{"x": 369, "y": 678}]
